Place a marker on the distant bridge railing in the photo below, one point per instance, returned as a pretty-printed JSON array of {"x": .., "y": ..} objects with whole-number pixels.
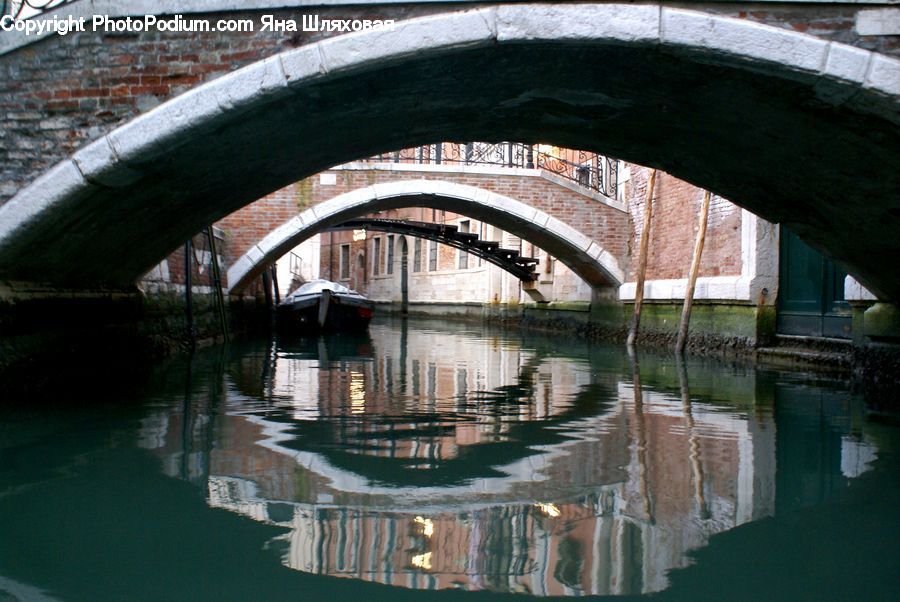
[
  {"x": 587, "y": 169},
  {"x": 25, "y": 9}
]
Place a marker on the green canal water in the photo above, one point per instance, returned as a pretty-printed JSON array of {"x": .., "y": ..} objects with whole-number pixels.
[{"x": 433, "y": 460}]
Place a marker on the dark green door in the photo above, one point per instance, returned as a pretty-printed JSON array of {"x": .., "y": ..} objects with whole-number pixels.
[{"x": 810, "y": 292}]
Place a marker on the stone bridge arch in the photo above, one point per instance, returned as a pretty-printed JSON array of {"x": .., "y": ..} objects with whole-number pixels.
[
  {"x": 585, "y": 257},
  {"x": 797, "y": 129}
]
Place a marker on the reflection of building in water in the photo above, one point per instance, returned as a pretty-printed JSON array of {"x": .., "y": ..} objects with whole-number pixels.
[
  {"x": 535, "y": 483},
  {"x": 546, "y": 549},
  {"x": 464, "y": 378},
  {"x": 516, "y": 533}
]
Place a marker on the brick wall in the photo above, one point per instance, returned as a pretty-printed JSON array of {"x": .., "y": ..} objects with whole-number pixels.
[
  {"x": 247, "y": 226},
  {"x": 676, "y": 207},
  {"x": 201, "y": 269}
]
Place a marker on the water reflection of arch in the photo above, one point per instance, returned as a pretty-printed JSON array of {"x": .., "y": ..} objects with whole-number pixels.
[
  {"x": 521, "y": 449},
  {"x": 599, "y": 540},
  {"x": 596, "y": 540},
  {"x": 313, "y": 418},
  {"x": 521, "y": 529}
]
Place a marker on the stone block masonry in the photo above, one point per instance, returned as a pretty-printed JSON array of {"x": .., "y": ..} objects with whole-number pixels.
[{"x": 63, "y": 91}]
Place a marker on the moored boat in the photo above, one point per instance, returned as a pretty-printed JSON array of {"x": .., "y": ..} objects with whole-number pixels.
[{"x": 322, "y": 305}]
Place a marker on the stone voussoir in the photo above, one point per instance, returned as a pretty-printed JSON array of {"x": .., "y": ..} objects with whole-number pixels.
[
  {"x": 626, "y": 23},
  {"x": 375, "y": 48},
  {"x": 63, "y": 182},
  {"x": 726, "y": 38},
  {"x": 98, "y": 164}
]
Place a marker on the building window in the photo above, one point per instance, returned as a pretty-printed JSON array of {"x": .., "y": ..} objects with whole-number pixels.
[
  {"x": 376, "y": 257},
  {"x": 432, "y": 255},
  {"x": 390, "y": 254},
  {"x": 417, "y": 255},
  {"x": 345, "y": 262},
  {"x": 463, "y": 256}
]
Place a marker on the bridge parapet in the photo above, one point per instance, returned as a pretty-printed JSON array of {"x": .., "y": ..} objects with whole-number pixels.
[{"x": 588, "y": 170}]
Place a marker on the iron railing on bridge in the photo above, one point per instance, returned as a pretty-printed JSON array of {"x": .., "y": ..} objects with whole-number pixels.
[
  {"x": 587, "y": 169},
  {"x": 25, "y": 9}
]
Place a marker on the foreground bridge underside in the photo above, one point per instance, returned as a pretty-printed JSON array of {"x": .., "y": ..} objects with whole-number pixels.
[{"x": 808, "y": 137}]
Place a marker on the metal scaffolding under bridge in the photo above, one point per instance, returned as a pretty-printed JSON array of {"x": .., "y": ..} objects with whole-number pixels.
[{"x": 507, "y": 259}]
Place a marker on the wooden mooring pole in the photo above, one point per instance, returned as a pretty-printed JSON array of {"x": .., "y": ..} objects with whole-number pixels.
[
  {"x": 642, "y": 262},
  {"x": 188, "y": 293},
  {"x": 217, "y": 282},
  {"x": 693, "y": 440},
  {"x": 681, "y": 341},
  {"x": 640, "y": 428},
  {"x": 267, "y": 290},
  {"x": 273, "y": 269}
]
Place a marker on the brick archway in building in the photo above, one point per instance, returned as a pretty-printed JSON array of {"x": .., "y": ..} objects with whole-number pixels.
[
  {"x": 811, "y": 139},
  {"x": 585, "y": 257}
]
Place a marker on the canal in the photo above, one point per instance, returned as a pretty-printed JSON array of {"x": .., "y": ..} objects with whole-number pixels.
[{"x": 430, "y": 460}]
